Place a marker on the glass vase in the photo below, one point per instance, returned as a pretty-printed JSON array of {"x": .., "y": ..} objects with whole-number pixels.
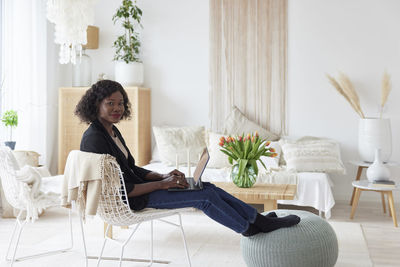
[{"x": 247, "y": 179}]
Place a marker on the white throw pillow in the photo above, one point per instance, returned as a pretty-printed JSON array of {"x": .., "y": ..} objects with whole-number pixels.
[
  {"x": 236, "y": 123},
  {"x": 173, "y": 143},
  {"x": 155, "y": 155},
  {"x": 271, "y": 162},
  {"x": 23, "y": 158},
  {"x": 312, "y": 154},
  {"x": 217, "y": 158}
]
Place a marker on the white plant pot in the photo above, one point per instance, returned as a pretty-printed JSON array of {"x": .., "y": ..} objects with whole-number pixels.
[
  {"x": 129, "y": 74},
  {"x": 374, "y": 133}
]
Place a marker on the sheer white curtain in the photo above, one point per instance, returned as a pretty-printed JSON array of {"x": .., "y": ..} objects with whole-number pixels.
[
  {"x": 248, "y": 41},
  {"x": 24, "y": 61}
]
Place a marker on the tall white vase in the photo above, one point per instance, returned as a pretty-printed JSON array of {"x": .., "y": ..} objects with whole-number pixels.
[
  {"x": 374, "y": 133},
  {"x": 129, "y": 74},
  {"x": 377, "y": 170},
  {"x": 82, "y": 71}
]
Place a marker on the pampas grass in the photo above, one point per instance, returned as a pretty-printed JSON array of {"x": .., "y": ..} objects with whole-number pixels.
[
  {"x": 386, "y": 87},
  {"x": 344, "y": 87}
]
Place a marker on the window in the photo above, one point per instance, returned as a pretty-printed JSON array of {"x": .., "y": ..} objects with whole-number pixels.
[{"x": 1, "y": 55}]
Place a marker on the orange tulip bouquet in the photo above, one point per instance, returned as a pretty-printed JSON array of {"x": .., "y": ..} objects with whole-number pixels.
[{"x": 245, "y": 151}]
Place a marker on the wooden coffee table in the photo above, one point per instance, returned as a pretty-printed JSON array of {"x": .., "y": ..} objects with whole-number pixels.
[{"x": 266, "y": 194}]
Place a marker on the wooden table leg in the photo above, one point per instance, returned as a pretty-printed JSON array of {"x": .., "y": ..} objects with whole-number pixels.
[
  {"x": 110, "y": 232},
  {"x": 270, "y": 204},
  {"x": 355, "y": 202},
  {"x": 391, "y": 207},
  {"x": 383, "y": 202},
  {"x": 359, "y": 172}
]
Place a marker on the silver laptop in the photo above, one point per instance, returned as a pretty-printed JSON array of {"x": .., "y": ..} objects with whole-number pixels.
[{"x": 195, "y": 181}]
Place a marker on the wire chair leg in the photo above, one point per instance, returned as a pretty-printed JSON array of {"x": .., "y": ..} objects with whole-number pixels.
[
  {"x": 104, "y": 244},
  {"x": 184, "y": 240},
  {"x": 21, "y": 227},
  {"x": 126, "y": 242},
  {"x": 70, "y": 230},
  {"x": 151, "y": 244},
  {"x": 121, "y": 255},
  {"x": 12, "y": 237},
  {"x": 83, "y": 240}
]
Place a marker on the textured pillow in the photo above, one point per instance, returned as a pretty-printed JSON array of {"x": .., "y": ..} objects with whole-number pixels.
[
  {"x": 217, "y": 158},
  {"x": 271, "y": 162},
  {"x": 175, "y": 141},
  {"x": 23, "y": 158},
  {"x": 236, "y": 123},
  {"x": 155, "y": 155},
  {"x": 311, "y": 154}
]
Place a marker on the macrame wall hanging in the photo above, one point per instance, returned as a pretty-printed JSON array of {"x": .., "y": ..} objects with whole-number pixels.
[{"x": 248, "y": 44}]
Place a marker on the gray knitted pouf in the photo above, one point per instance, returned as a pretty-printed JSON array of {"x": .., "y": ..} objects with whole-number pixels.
[{"x": 311, "y": 243}]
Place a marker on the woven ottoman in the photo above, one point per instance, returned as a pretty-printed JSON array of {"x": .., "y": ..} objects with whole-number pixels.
[{"x": 311, "y": 243}]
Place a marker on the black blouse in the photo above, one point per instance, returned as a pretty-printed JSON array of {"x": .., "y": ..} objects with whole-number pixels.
[{"x": 96, "y": 139}]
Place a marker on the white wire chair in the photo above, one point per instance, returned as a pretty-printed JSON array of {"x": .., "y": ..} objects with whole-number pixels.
[
  {"x": 114, "y": 210},
  {"x": 18, "y": 195}
]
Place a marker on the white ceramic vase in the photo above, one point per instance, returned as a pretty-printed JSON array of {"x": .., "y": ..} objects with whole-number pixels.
[
  {"x": 82, "y": 71},
  {"x": 131, "y": 74},
  {"x": 374, "y": 133},
  {"x": 377, "y": 170}
]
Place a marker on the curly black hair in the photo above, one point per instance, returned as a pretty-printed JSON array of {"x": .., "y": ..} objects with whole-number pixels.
[{"x": 88, "y": 107}]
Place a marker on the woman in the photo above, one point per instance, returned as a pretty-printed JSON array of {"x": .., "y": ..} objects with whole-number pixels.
[{"x": 105, "y": 104}]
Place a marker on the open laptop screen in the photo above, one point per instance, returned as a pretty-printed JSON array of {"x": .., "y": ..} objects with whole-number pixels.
[{"x": 201, "y": 165}]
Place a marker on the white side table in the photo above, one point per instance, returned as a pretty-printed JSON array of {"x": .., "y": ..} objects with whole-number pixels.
[
  {"x": 363, "y": 165},
  {"x": 365, "y": 185}
]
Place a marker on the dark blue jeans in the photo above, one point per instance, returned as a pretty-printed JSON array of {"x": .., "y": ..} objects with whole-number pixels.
[{"x": 213, "y": 201}]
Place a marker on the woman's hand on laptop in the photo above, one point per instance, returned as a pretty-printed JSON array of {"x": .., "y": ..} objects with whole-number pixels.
[
  {"x": 174, "y": 181},
  {"x": 175, "y": 172}
]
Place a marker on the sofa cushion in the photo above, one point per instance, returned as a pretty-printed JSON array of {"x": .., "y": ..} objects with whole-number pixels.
[
  {"x": 173, "y": 143},
  {"x": 236, "y": 124},
  {"x": 312, "y": 154}
]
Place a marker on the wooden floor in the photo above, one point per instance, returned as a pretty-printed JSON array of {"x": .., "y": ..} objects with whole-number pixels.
[{"x": 383, "y": 239}]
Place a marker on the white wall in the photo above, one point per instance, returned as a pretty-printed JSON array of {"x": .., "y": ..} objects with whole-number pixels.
[
  {"x": 358, "y": 37},
  {"x": 175, "y": 56},
  {"x": 57, "y": 76}
]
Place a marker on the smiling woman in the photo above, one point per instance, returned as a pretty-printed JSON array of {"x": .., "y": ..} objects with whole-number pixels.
[{"x": 105, "y": 104}]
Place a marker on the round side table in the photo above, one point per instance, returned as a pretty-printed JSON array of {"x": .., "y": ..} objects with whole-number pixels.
[
  {"x": 365, "y": 185},
  {"x": 363, "y": 165}
]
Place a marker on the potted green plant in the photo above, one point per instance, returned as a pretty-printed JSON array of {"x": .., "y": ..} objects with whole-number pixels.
[
  {"x": 128, "y": 66},
  {"x": 10, "y": 119}
]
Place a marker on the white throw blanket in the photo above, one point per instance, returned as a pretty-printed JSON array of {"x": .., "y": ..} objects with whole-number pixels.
[
  {"x": 277, "y": 176},
  {"x": 29, "y": 192},
  {"x": 83, "y": 177}
]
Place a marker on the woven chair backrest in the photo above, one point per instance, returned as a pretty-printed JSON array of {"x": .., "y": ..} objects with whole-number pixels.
[
  {"x": 11, "y": 187},
  {"x": 113, "y": 206}
]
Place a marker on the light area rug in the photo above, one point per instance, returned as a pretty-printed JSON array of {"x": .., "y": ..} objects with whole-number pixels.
[
  {"x": 209, "y": 243},
  {"x": 353, "y": 250}
]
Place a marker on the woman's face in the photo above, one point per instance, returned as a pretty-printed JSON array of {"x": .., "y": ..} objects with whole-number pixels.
[{"x": 111, "y": 108}]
